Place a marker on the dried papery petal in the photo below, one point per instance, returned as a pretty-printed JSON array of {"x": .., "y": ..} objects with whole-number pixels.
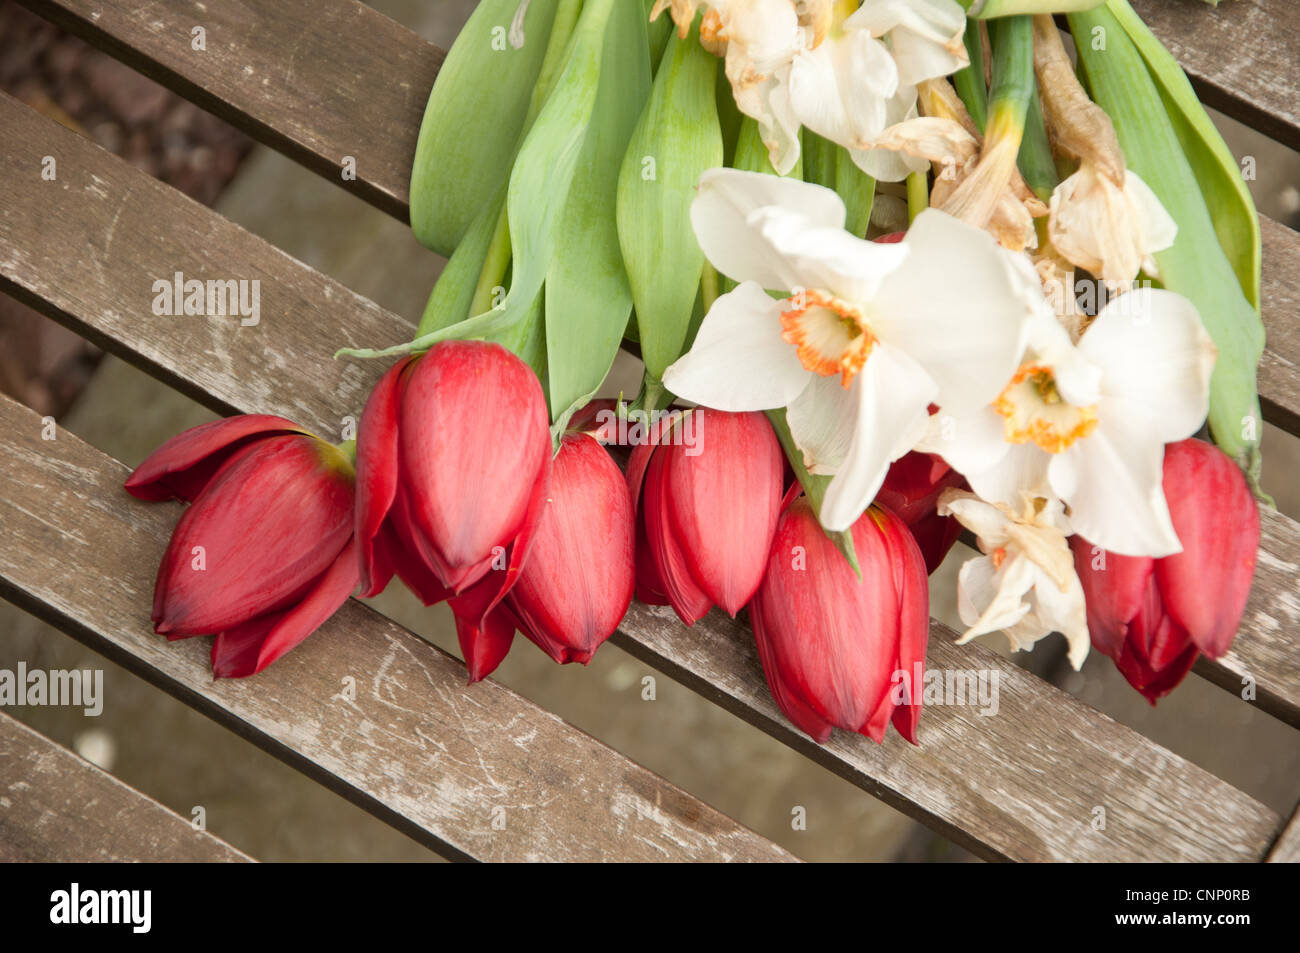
[{"x": 1076, "y": 125}]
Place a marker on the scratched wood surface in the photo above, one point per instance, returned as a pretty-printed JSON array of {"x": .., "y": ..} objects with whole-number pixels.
[
  {"x": 1241, "y": 57},
  {"x": 474, "y": 772},
  {"x": 315, "y": 79},
  {"x": 1020, "y": 785},
  {"x": 1287, "y": 848},
  {"x": 95, "y": 273},
  {"x": 57, "y": 807}
]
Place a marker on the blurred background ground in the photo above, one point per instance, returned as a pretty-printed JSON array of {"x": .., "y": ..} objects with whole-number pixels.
[{"x": 267, "y": 809}]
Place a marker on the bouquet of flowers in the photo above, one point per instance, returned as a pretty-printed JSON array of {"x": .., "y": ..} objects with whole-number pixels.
[{"x": 895, "y": 269}]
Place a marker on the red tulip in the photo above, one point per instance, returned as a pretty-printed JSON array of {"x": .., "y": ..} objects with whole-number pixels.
[
  {"x": 453, "y": 458},
  {"x": 264, "y": 554},
  {"x": 577, "y": 584},
  {"x": 1154, "y": 616},
  {"x": 911, "y": 490},
  {"x": 708, "y": 508},
  {"x": 833, "y": 645}
]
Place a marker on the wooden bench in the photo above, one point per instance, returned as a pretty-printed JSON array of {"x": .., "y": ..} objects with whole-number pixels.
[{"x": 323, "y": 79}]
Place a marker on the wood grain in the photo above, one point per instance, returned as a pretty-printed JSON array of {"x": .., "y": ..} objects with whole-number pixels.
[
  {"x": 58, "y": 808},
  {"x": 1287, "y": 848},
  {"x": 1020, "y": 785},
  {"x": 415, "y": 746},
  {"x": 1240, "y": 56},
  {"x": 315, "y": 80}
]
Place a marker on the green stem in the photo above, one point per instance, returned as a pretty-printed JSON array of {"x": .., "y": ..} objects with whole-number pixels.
[
  {"x": 918, "y": 195},
  {"x": 989, "y": 9},
  {"x": 709, "y": 285},
  {"x": 493, "y": 274},
  {"x": 969, "y": 82},
  {"x": 1037, "y": 164}
]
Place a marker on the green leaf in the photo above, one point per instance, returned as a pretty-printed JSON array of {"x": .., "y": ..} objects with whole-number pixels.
[
  {"x": 588, "y": 297},
  {"x": 473, "y": 120},
  {"x": 1195, "y": 266},
  {"x": 1224, "y": 187},
  {"x": 818, "y": 155},
  {"x": 676, "y": 139},
  {"x": 548, "y": 160},
  {"x": 452, "y": 294},
  {"x": 657, "y": 33},
  {"x": 857, "y": 189}
]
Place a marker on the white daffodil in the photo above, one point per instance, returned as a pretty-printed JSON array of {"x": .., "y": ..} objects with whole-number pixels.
[
  {"x": 1024, "y": 584},
  {"x": 868, "y": 337},
  {"x": 1106, "y": 230},
  {"x": 924, "y": 36},
  {"x": 828, "y": 65},
  {"x": 1088, "y": 424}
]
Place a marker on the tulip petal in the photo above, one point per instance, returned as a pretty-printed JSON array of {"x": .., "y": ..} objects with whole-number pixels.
[
  {"x": 801, "y": 714},
  {"x": 266, "y": 527},
  {"x": 377, "y": 475},
  {"x": 185, "y": 464},
  {"x": 474, "y": 443},
  {"x": 1205, "y": 587},
  {"x": 739, "y": 361},
  {"x": 577, "y": 583},
  {"x": 725, "y": 502},
  {"x": 485, "y": 640},
  {"x": 1114, "y": 588},
  {"x": 688, "y": 600},
  {"x": 248, "y": 648}
]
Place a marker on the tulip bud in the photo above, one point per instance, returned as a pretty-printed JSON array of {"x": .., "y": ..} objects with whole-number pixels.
[
  {"x": 577, "y": 584},
  {"x": 707, "y": 509},
  {"x": 839, "y": 650},
  {"x": 911, "y": 491},
  {"x": 1154, "y": 616},
  {"x": 264, "y": 554},
  {"x": 453, "y": 459}
]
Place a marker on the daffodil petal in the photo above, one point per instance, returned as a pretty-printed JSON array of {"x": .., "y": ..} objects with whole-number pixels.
[
  {"x": 739, "y": 361},
  {"x": 893, "y": 393},
  {"x": 720, "y": 217}
]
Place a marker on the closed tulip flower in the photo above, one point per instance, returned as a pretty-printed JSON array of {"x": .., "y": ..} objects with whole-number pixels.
[
  {"x": 263, "y": 555},
  {"x": 708, "y": 506},
  {"x": 911, "y": 491},
  {"x": 1154, "y": 616},
  {"x": 577, "y": 583},
  {"x": 841, "y": 651},
  {"x": 453, "y": 458}
]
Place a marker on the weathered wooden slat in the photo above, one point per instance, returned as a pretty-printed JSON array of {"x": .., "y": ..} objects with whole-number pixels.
[
  {"x": 355, "y": 83},
  {"x": 1279, "y": 368},
  {"x": 1021, "y": 785},
  {"x": 57, "y": 808},
  {"x": 315, "y": 80},
  {"x": 1286, "y": 850},
  {"x": 474, "y": 772},
  {"x": 1241, "y": 57},
  {"x": 1265, "y": 658}
]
